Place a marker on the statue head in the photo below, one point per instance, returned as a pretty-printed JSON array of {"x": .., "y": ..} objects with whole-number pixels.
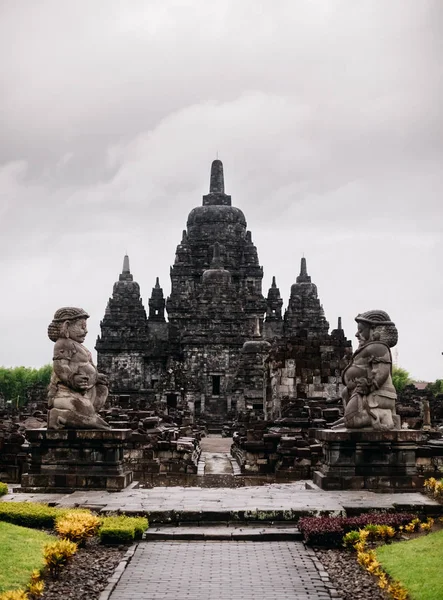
[
  {"x": 376, "y": 325},
  {"x": 68, "y": 322}
]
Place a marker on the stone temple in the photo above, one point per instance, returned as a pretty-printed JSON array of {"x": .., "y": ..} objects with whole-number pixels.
[{"x": 224, "y": 348}]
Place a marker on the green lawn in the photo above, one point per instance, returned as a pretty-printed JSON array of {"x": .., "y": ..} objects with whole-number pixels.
[
  {"x": 417, "y": 564},
  {"x": 20, "y": 553}
]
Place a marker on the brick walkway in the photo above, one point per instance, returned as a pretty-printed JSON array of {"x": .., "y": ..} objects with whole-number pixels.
[{"x": 223, "y": 571}]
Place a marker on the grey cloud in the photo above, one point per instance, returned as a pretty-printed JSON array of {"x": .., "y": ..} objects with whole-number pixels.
[{"x": 327, "y": 117}]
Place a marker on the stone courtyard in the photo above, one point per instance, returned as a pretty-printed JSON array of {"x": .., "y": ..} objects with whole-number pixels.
[{"x": 217, "y": 543}]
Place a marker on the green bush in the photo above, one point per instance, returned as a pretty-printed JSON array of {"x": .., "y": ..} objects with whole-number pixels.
[
  {"x": 112, "y": 534},
  {"x": 28, "y": 514},
  {"x": 122, "y": 529},
  {"x": 3, "y": 488},
  {"x": 140, "y": 526}
]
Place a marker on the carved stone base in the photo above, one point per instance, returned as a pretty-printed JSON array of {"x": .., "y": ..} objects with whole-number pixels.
[
  {"x": 382, "y": 461},
  {"x": 77, "y": 459}
]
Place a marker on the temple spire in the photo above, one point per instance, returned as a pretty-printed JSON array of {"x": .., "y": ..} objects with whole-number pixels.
[
  {"x": 274, "y": 303},
  {"x": 156, "y": 303},
  {"x": 303, "y": 277},
  {"x": 217, "y": 183},
  {"x": 125, "y": 275},
  {"x": 339, "y": 324},
  {"x": 217, "y": 196}
]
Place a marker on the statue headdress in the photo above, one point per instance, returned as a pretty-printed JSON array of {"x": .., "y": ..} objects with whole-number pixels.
[
  {"x": 380, "y": 321},
  {"x": 67, "y": 313}
]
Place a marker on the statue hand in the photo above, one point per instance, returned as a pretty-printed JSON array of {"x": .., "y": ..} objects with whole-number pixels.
[
  {"x": 102, "y": 379},
  {"x": 363, "y": 386},
  {"x": 81, "y": 382}
]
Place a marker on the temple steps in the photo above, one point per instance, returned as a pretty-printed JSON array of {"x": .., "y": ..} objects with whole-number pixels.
[{"x": 263, "y": 532}]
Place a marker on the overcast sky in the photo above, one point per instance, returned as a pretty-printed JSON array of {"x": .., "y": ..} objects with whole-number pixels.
[{"x": 326, "y": 114}]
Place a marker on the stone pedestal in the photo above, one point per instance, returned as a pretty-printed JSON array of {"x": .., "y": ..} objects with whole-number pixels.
[
  {"x": 77, "y": 459},
  {"x": 383, "y": 461}
]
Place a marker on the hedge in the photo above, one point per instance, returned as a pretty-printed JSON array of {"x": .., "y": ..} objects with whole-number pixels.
[{"x": 329, "y": 531}]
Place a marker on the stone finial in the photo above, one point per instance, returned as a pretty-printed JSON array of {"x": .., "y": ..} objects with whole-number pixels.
[
  {"x": 126, "y": 268},
  {"x": 184, "y": 237},
  {"x": 303, "y": 277},
  {"x": 217, "y": 182},
  {"x": 274, "y": 284},
  {"x": 339, "y": 325},
  {"x": 157, "y": 283},
  {"x": 125, "y": 275},
  {"x": 217, "y": 196}
]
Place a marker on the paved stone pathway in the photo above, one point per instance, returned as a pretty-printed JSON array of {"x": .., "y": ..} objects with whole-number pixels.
[
  {"x": 223, "y": 571},
  {"x": 215, "y": 457},
  {"x": 276, "y": 501}
]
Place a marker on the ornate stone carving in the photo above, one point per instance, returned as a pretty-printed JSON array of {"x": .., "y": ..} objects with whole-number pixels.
[
  {"x": 76, "y": 391},
  {"x": 369, "y": 396}
]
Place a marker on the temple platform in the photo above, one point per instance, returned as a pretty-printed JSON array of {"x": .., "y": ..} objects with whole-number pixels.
[
  {"x": 82, "y": 459},
  {"x": 357, "y": 459}
]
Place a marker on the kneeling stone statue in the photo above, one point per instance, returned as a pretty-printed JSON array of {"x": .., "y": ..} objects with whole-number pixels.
[
  {"x": 369, "y": 397},
  {"x": 77, "y": 392}
]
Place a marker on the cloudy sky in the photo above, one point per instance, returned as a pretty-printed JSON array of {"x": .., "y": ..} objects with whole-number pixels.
[{"x": 327, "y": 116}]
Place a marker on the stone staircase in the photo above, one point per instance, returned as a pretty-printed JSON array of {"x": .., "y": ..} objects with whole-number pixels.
[{"x": 204, "y": 531}]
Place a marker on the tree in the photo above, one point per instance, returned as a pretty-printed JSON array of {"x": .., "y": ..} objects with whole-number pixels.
[
  {"x": 436, "y": 387},
  {"x": 14, "y": 382},
  {"x": 400, "y": 378}
]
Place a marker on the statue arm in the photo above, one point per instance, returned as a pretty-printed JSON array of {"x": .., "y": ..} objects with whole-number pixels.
[
  {"x": 381, "y": 365},
  {"x": 380, "y": 373},
  {"x": 63, "y": 371},
  {"x": 62, "y": 364}
]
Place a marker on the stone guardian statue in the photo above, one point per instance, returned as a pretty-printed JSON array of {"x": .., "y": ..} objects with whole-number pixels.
[
  {"x": 369, "y": 396},
  {"x": 77, "y": 392}
]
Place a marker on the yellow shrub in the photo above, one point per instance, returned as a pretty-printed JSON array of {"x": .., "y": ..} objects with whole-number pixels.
[
  {"x": 36, "y": 575},
  {"x": 385, "y": 532},
  {"x": 397, "y": 591},
  {"x": 77, "y": 526},
  {"x": 426, "y": 527},
  {"x": 382, "y": 581},
  {"x": 57, "y": 554},
  {"x": 412, "y": 526},
  {"x": 14, "y": 595},
  {"x": 36, "y": 588},
  {"x": 430, "y": 483}
]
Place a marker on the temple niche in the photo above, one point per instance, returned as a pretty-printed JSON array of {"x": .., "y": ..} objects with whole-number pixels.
[{"x": 222, "y": 347}]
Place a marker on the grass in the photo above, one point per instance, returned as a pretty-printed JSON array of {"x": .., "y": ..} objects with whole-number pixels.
[
  {"x": 21, "y": 551},
  {"x": 417, "y": 564}
]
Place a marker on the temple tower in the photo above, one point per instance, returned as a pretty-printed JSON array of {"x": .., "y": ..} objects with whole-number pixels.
[
  {"x": 273, "y": 325},
  {"x": 120, "y": 347},
  {"x": 305, "y": 315},
  {"x": 216, "y": 295}
]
